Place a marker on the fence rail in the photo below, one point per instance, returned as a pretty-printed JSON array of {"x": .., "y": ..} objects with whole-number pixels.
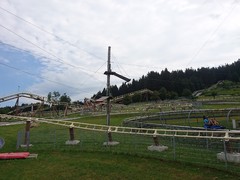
[
  {"x": 194, "y": 146},
  {"x": 203, "y": 134}
]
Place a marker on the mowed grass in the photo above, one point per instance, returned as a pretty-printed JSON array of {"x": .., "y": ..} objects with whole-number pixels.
[
  {"x": 74, "y": 163},
  {"x": 115, "y": 120},
  {"x": 91, "y": 163},
  {"x": 102, "y": 165}
]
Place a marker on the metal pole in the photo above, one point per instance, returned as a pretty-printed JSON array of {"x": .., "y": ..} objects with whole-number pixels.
[
  {"x": 174, "y": 147},
  {"x": 225, "y": 153}
]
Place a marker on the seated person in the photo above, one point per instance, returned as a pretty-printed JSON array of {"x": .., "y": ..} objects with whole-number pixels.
[
  {"x": 213, "y": 122},
  {"x": 206, "y": 121},
  {"x": 210, "y": 122}
]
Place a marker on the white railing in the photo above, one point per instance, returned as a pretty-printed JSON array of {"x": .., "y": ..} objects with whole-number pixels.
[{"x": 203, "y": 134}]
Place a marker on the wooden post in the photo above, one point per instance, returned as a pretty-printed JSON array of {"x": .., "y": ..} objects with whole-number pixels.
[
  {"x": 108, "y": 92},
  {"x": 109, "y": 137},
  {"x": 72, "y": 140},
  {"x": 108, "y": 107},
  {"x": 155, "y": 139},
  {"x": 65, "y": 111},
  {"x": 108, "y": 85},
  {"x": 17, "y": 105},
  {"x": 27, "y": 131},
  {"x": 71, "y": 133}
]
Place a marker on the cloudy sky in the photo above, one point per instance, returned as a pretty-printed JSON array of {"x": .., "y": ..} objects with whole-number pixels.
[{"x": 59, "y": 45}]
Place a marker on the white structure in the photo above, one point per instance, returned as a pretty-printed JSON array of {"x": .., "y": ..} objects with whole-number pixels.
[
  {"x": 229, "y": 157},
  {"x": 111, "y": 143},
  {"x": 72, "y": 142},
  {"x": 157, "y": 148}
]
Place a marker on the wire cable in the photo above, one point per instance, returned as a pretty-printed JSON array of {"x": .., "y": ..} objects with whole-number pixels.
[
  {"x": 35, "y": 75},
  {"x": 54, "y": 35},
  {"x": 118, "y": 66},
  {"x": 213, "y": 33},
  {"x": 59, "y": 60},
  {"x": 59, "y": 38}
]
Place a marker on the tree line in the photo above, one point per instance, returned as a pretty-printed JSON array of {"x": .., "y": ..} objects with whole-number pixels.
[
  {"x": 178, "y": 83},
  {"x": 164, "y": 84}
]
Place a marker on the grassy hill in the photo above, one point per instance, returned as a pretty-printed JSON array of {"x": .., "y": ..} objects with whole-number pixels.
[{"x": 221, "y": 89}]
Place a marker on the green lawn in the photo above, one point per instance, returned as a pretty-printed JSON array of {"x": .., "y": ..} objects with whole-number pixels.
[
  {"x": 98, "y": 165},
  {"x": 91, "y": 160},
  {"x": 129, "y": 160}
]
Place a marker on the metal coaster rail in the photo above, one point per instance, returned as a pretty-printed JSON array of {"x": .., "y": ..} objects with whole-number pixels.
[{"x": 200, "y": 134}]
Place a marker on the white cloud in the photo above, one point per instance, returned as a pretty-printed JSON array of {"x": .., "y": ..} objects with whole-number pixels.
[{"x": 157, "y": 33}]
